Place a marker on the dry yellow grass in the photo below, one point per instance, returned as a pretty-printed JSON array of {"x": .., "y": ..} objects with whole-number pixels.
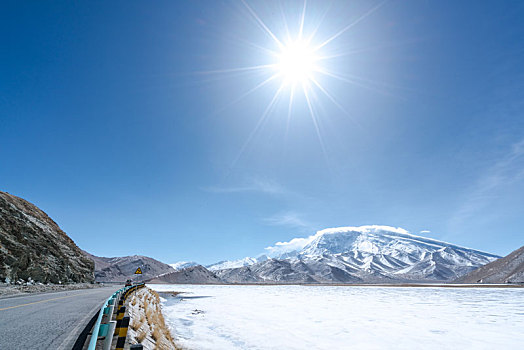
[
  {"x": 155, "y": 334},
  {"x": 149, "y": 316},
  {"x": 137, "y": 323},
  {"x": 151, "y": 323},
  {"x": 141, "y": 336}
]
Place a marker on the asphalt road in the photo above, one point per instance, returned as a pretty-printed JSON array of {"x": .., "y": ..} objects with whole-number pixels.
[{"x": 49, "y": 320}]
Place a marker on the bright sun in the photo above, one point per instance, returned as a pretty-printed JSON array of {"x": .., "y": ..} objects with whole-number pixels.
[
  {"x": 298, "y": 59},
  {"x": 296, "y": 63}
]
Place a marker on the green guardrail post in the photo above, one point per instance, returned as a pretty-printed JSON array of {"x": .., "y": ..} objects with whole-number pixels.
[
  {"x": 109, "y": 337},
  {"x": 98, "y": 325},
  {"x": 102, "y": 331}
]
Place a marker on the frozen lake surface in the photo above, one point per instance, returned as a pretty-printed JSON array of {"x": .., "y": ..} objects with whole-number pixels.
[{"x": 332, "y": 317}]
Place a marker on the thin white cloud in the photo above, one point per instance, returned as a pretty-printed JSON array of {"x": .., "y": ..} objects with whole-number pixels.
[
  {"x": 290, "y": 219},
  {"x": 253, "y": 185},
  {"x": 504, "y": 173},
  {"x": 425, "y": 232}
]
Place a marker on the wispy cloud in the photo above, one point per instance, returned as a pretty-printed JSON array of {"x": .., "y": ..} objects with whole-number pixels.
[
  {"x": 292, "y": 220},
  {"x": 289, "y": 219},
  {"x": 504, "y": 173},
  {"x": 425, "y": 232},
  {"x": 253, "y": 185}
]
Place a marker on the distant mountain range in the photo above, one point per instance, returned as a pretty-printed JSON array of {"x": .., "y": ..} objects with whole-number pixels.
[
  {"x": 34, "y": 248},
  {"x": 365, "y": 254},
  {"x": 120, "y": 269},
  {"x": 509, "y": 269}
]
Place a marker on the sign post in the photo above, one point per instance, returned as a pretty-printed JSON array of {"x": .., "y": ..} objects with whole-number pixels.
[{"x": 138, "y": 272}]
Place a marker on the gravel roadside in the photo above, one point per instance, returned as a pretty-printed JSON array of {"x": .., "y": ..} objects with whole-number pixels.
[{"x": 8, "y": 290}]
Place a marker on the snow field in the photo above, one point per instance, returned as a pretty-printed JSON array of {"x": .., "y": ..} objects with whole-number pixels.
[{"x": 339, "y": 317}]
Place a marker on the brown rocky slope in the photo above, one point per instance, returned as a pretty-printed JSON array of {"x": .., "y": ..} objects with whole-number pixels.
[
  {"x": 119, "y": 269},
  {"x": 33, "y": 247},
  {"x": 509, "y": 269}
]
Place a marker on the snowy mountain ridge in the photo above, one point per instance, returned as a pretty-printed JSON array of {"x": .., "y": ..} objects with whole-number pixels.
[
  {"x": 183, "y": 265},
  {"x": 227, "y": 264},
  {"x": 369, "y": 253}
]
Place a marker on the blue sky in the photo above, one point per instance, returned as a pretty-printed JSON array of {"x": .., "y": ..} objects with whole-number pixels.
[{"x": 128, "y": 124}]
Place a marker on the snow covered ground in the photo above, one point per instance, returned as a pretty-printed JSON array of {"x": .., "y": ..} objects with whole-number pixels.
[{"x": 332, "y": 317}]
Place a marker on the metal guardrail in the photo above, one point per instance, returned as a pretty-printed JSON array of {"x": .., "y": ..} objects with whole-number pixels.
[
  {"x": 108, "y": 329},
  {"x": 96, "y": 327}
]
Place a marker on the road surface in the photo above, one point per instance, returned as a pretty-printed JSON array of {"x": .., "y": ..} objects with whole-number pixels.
[{"x": 49, "y": 320}]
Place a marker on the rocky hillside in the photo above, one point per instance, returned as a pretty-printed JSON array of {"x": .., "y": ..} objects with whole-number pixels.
[
  {"x": 509, "y": 269},
  {"x": 194, "y": 274},
  {"x": 33, "y": 247},
  {"x": 366, "y": 254},
  {"x": 120, "y": 269}
]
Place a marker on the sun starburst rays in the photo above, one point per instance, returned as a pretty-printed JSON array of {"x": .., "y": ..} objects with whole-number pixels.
[{"x": 297, "y": 61}]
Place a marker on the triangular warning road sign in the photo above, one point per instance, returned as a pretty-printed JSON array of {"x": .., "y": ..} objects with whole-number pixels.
[{"x": 138, "y": 271}]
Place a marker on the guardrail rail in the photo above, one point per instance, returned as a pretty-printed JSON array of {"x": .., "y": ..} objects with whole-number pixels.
[{"x": 105, "y": 328}]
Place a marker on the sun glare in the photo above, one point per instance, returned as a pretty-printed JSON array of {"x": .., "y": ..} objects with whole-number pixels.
[
  {"x": 296, "y": 63},
  {"x": 300, "y": 66}
]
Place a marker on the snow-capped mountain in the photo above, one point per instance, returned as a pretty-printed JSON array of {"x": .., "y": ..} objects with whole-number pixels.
[
  {"x": 183, "y": 265},
  {"x": 226, "y": 264},
  {"x": 356, "y": 254}
]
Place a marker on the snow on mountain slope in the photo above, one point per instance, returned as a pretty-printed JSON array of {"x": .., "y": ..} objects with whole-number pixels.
[
  {"x": 351, "y": 254},
  {"x": 226, "y": 264},
  {"x": 183, "y": 265},
  {"x": 395, "y": 242}
]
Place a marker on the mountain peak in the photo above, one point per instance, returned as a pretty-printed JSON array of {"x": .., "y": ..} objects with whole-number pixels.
[{"x": 376, "y": 239}]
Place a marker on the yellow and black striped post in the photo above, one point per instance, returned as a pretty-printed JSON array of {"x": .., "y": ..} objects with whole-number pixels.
[
  {"x": 119, "y": 318},
  {"x": 122, "y": 334},
  {"x": 129, "y": 291},
  {"x": 120, "y": 304}
]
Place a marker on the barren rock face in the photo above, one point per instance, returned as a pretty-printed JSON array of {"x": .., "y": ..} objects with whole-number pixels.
[{"x": 32, "y": 246}]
